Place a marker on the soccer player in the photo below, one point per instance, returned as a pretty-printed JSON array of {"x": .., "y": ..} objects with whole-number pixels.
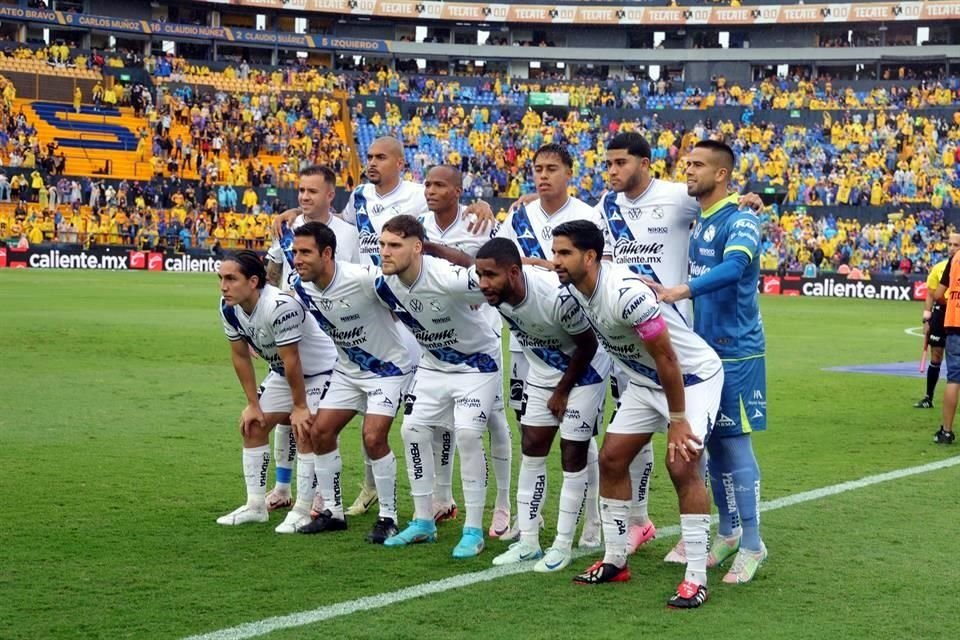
[
  {"x": 725, "y": 263},
  {"x": 933, "y": 311},
  {"x": 372, "y": 373},
  {"x": 457, "y": 380},
  {"x": 301, "y": 358},
  {"x": 564, "y": 390},
  {"x": 317, "y": 187},
  {"x": 529, "y": 226},
  {"x": 649, "y": 222},
  {"x": 447, "y": 224},
  {"x": 674, "y": 386},
  {"x": 950, "y": 281}
]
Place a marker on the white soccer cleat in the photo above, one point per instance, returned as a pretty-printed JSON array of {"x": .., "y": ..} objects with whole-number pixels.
[
  {"x": 292, "y": 523},
  {"x": 556, "y": 559},
  {"x": 244, "y": 515},
  {"x": 518, "y": 552},
  {"x": 590, "y": 537},
  {"x": 677, "y": 555},
  {"x": 364, "y": 501}
]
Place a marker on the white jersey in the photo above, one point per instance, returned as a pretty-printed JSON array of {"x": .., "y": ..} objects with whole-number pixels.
[
  {"x": 349, "y": 311},
  {"x": 622, "y": 302},
  {"x": 457, "y": 236},
  {"x": 368, "y": 211},
  {"x": 651, "y": 233},
  {"x": 279, "y": 320},
  {"x": 436, "y": 308},
  {"x": 281, "y": 250},
  {"x": 531, "y": 228},
  {"x": 543, "y": 323}
]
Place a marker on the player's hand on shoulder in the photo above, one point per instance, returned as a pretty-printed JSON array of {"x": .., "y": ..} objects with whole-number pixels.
[
  {"x": 752, "y": 200},
  {"x": 285, "y": 218},
  {"x": 481, "y": 217}
]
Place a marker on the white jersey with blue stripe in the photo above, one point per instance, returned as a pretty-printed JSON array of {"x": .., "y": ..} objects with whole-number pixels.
[
  {"x": 531, "y": 228},
  {"x": 436, "y": 308},
  {"x": 651, "y": 233},
  {"x": 621, "y": 302},
  {"x": 366, "y": 335},
  {"x": 281, "y": 250},
  {"x": 280, "y": 320},
  {"x": 368, "y": 210},
  {"x": 544, "y": 323}
]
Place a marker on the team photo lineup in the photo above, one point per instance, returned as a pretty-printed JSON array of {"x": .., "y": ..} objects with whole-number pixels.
[
  {"x": 397, "y": 306},
  {"x": 447, "y": 319}
]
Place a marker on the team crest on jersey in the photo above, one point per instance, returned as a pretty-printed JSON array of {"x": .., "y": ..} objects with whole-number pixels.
[
  {"x": 709, "y": 234},
  {"x": 344, "y": 303},
  {"x": 416, "y": 305},
  {"x": 657, "y": 213},
  {"x": 435, "y": 306}
]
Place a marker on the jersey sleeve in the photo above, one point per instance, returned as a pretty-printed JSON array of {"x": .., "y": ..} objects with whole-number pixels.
[
  {"x": 936, "y": 274},
  {"x": 228, "y": 329},
  {"x": 505, "y": 230},
  {"x": 275, "y": 253},
  {"x": 570, "y": 315},
  {"x": 464, "y": 283},
  {"x": 744, "y": 235},
  {"x": 637, "y": 304},
  {"x": 286, "y": 320},
  {"x": 601, "y": 223},
  {"x": 349, "y": 212}
]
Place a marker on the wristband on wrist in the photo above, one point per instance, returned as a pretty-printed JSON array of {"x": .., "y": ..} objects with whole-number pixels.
[{"x": 677, "y": 416}]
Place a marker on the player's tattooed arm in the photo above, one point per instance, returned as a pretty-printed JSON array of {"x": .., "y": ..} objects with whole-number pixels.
[
  {"x": 274, "y": 273},
  {"x": 454, "y": 256}
]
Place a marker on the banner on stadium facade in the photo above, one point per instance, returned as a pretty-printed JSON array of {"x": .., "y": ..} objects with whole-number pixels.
[
  {"x": 620, "y": 15},
  {"x": 551, "y": 99},
  {"x": 104, "y": 258},
  {"x": 585, "y": 14},
  {"x": 839, "y": 286}
]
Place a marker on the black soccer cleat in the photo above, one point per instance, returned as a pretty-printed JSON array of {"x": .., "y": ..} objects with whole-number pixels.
[
  {"x": 323, "y": 523},
  {"x": 944, "y": 437},
  {"x": 689, "y": 595},
  {"x": 923, "y": 403},
  {"x": 601, "y": 572},
  {"x": 383, "y": 528}
]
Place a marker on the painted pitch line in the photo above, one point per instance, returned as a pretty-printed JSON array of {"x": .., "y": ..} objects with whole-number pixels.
[{"x": 269, "y": 625}]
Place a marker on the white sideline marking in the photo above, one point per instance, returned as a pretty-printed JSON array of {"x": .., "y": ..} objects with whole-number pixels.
[{"x": 269, "y": 625}]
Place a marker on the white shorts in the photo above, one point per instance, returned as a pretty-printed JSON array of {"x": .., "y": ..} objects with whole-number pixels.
[
  {"x": 276, "y": 397},
  {"x": 619, "y": 381},
  {"x": 584, "y": 412},
  {"x": 518, "y": 373},
  {"x": 369, "y": 396},
  {"x": 644, "y": 409},
  {"x": 459, "y": 400}
]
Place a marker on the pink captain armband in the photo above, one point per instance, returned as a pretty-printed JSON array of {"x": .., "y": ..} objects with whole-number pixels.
[{"x": 651, "y": 328}]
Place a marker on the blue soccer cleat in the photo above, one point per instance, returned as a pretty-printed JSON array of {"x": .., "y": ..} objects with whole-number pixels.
[
  {"x": 416, "y": 532},
  {"x": 470, "y": 545}
]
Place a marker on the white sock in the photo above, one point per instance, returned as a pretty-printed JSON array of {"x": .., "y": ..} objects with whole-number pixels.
[
  {"x": 444, "y": 445},
  {"x": 329, "y": 467},
  {"x": 473, "y": 475},
  {"x": 531, "y": 492},
  {"x": 256, "y": 462},
  {"x": 572, "y": 494},
  {"x": 385, "y": 476},
  {"x": 284, "y": 454},
  {"x": 306, "y": 482},
  {"x": 591, "y": 507},
  {"x": 369, "y": 480},
  {"x": 418, "y": 450},
  {"x": 694, "y": 531},
  {"x": 614, "y": 515},
  {"x": 501, "y": 451},
  {"x": 641, "y": 469}
]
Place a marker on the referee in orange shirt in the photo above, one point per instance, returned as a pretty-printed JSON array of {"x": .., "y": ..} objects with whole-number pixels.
[{"x": 933, "y": 313}]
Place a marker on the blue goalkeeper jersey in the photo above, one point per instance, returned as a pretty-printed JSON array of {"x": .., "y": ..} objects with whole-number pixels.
[{"x": 728, "y": 318}]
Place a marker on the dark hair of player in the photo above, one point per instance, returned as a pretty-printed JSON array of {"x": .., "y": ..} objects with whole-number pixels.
[
  {"x": 321, "y": 234},
  {"x": 633, "y": 142},
  {"x": 558, "y": 150},
  {"x": 320, "y": 170},
  {"x": 718, "y": 147},
  {"x": 501, "y": 251},
  {"x": 251, "y": 265},
  {"x": 583, "y": 234},
  {"x": 406, "y": 227}
]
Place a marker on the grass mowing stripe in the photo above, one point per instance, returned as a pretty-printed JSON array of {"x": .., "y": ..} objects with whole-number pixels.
[{"x": 269, "y": 625}]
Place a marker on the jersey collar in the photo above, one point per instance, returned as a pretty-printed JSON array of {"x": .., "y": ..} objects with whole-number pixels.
[{"x": 733, "y": 198}]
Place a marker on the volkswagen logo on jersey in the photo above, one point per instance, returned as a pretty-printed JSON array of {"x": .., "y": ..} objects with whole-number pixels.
[
  {"x": 326, "y": 304},
  {"x": 546, "y": 233},
  {"x": 635, "y": 214},
  {"x": 416, "y": 305}
]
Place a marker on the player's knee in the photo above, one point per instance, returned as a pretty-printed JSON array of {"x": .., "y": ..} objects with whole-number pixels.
[
  {"x": 612, "y": 462},
  {"x": 375, "y": 442},
  {"x": 534, "y": 442},
  {"x": 573, "y": 454}
]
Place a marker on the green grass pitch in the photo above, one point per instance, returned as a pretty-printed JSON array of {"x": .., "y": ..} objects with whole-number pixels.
[{"x": 119, "y": 448}]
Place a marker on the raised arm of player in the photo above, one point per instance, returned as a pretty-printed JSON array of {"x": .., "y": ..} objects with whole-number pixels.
[
  {"x": 586, "y": 348},
  {"x": 451, "y": 255},
  {"x": 243, "y": 365},
  {"x": 285, "y": 218}
]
